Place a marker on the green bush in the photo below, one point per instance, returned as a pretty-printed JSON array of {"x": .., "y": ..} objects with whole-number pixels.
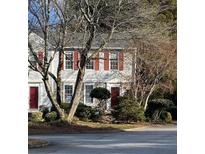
[
  {"x": 100, "y": 93},
  {"x": 155, "y": 108},
  {"x": 96, "y": 114},
  {"x": 51, "y": 116},
  {"x": 128, "y": 110},
  {"x": 166, "y": 117},
  {"x": 37, "y": 117},
  {"x": 65, "y": 106},
  {"x": 83, "y": 111}
]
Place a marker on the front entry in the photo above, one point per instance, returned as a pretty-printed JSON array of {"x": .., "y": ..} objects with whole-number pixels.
[
  {"x": 115, "y": 92},
  {"x": 33, "y": 102}
]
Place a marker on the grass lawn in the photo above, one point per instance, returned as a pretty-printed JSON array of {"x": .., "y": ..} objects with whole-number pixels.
[
  {"x": 114, "y": 126},
  {"x": 83, "y": 127}
]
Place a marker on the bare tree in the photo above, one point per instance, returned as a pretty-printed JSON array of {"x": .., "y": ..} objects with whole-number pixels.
[
  {"x": 50, "y": 19},
  {"x": 103, "y": 18},
  {"x": 151, "y": 65}
]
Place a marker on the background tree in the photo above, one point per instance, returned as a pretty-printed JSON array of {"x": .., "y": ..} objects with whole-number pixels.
[{"x": 154, "y": 66}]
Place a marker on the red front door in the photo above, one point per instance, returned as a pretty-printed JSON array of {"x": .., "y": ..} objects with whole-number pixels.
[
  {"x": 33, "y": 98},
  {"x": 115, "y": 92}
]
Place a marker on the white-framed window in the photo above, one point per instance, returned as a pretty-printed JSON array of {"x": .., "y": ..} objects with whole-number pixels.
[
  {"x": 68, "y": 93},
  {"x": 88, "y": 89},
  {"x": 69, "y": 60},
  {"x": 114, "y": 61},
  {"x": 90, "y": 64}
]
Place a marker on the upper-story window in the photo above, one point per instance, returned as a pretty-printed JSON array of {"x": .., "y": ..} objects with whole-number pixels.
[
  {"x": 69, "y": 60},
  {"x": 68, "y": 92},
  {"x": 90, "y": 64},
  {"x": 114, "y": 61}
]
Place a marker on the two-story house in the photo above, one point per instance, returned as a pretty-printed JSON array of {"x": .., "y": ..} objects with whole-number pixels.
[{"x": 110, "y": 69}]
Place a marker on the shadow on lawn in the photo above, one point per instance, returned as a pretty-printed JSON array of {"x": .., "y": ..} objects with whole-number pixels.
[{"x": 65, "y": 128}]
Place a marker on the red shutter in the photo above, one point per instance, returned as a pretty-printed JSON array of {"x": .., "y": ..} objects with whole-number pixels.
[
  {"x": 75, "y": 60},
  {"x": 62, "y": 58},
  {"x": 97, "y": 62},
  {"x": 121, "y": 61},
  {"x": 106, "y": 60}
]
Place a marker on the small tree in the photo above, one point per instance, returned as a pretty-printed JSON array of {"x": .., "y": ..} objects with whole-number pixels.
[
  {"x": 128, "y": 110},
  {"x": 102, "y": 94}
]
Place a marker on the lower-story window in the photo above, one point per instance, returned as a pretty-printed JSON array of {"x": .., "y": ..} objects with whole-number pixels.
[
  {"x": 88, "y": 89},
  {"x": 68, "y": 93}
]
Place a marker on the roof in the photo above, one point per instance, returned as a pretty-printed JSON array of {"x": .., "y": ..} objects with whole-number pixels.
[
  {"x": 118, "y": 40},
  {"x": 37, "y": 42}
]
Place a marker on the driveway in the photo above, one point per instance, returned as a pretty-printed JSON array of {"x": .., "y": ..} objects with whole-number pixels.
[{"x": 139, "y": 141}]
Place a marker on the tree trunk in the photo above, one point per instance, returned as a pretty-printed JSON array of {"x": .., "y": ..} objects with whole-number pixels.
[
  {"x": 81, "y": 72},
  {"x": 58, "y": 83},
  {"x": 147, "y": 99},
  {"x": 77, "y": 94},
  {"x": 54, "y": 102}
]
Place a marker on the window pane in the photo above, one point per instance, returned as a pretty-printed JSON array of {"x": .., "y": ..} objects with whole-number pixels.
[
  {"x": 88, "y": 89},
  {"x": 114, "y": 61},
  {"x": 68, "y": 92},
  {"x": 90, "y": 64},
  {"x": 69, "y": 60}
]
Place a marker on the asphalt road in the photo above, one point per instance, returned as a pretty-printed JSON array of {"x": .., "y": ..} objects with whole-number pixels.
[{"x": 143, "y": 141}]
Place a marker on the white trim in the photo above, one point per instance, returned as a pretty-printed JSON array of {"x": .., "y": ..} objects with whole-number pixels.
[
  {"x": 64, "y": 60},
  {"x": 69, "y": 84},
  {"x": 84, "y": 92},
  {"x": 89, "y": 54},
  {"x": 117, "y": 61}
]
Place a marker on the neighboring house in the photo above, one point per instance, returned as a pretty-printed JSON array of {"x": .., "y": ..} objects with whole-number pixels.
[{"x": 110, "y": 69}]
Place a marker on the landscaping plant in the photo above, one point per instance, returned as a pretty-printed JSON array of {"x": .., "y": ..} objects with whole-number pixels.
[
  {"x": 102, "y": 94},
  {"x": 128, "y": 110},
  {"x": 37, "y": 117}
]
